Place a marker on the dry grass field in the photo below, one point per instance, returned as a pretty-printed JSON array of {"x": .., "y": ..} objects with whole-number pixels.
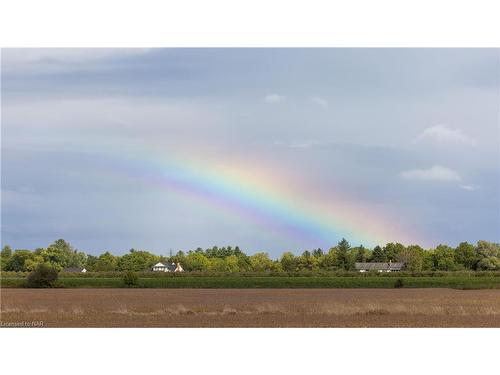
[{"x": 250, "y": 307}]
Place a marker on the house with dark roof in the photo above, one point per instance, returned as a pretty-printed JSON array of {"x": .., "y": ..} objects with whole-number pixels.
[
  {"x": 380, "y": 267},
  {"x": 167, "y": 267},
  {"x": 74, "y": 269}
]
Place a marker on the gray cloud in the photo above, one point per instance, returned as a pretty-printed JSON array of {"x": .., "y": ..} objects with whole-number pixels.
[{"x": 348, "y": 124}]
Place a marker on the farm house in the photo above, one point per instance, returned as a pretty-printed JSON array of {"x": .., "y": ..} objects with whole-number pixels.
[
  {"x": 380, "y": 267},
  {"x": 172, "y": 267}
]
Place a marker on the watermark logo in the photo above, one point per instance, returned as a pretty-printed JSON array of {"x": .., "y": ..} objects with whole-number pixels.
[{"x": 21, "y": 324}]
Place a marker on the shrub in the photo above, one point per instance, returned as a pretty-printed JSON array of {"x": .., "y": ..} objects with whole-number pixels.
[
  {"x": 130, "y": 278},
  {"x": 43, "y": 276},
  {"x": 398, "y": 283}
]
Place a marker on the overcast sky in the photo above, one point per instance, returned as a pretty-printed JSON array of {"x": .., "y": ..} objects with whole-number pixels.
[{"x": 371, "y": 144}]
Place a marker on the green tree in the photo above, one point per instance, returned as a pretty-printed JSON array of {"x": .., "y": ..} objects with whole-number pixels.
[
  {"x": 489, "y": 255},
  {"x": 44, "y": 276},
  {"x": 307, "y": 261},
  {"x": 288, "y": 262},
  {"x": 444, "y": 258},
  {"x": 261, "y": 262},
  {"x": 378, "y": 255},
  {"x": 466, "y": 256},
  {"x": 243, "y": 261},
  {"x": 106, "y": 262},
  {"x": 489, "y": 264},
  {"x": 360, "y": 254},
  {"x": 5, "y": 256},
  {"x": 60, "y": 254},
  {"x": 196, "y": 261},
  {"x": 412, "y": 257},
  {"x": 231, "y": 263},
  {"x": 488, "y": 249},
  {"x": 137, "y": 261},
  {"x": 329, "y": 260},
  {"x": 317, "y": 253},
  {"x": 342, "y": 255},
  {"x": 130, "y": 279},
  {"x": 392, "y": 250},
  {"x": 91, "y": 262},
  {"x": 17, "y": 261}
]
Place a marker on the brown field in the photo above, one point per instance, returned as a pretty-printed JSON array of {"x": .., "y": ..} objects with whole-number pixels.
[{"x": 251, "y": 307}]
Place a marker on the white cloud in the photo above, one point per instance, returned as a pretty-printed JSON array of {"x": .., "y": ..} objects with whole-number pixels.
[
  {"x": 319, "y": 101},
  {"x": 435, "y": 173},
  {"x": 468, "y": 187},
  {"x": 444, "y": 134},
  {"x": 274, "y": 98}
]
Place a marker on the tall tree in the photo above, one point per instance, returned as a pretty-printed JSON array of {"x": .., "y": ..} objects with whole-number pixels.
[
  {"x": 361, "y": 254},
  {"x": 378, "y": 255},
  {"x": 342, "y": 254}
]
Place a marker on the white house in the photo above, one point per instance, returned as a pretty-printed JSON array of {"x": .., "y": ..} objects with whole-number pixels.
[{"x": 172, "y": 267}]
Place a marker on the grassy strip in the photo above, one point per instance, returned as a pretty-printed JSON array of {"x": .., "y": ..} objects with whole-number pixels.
[
  {"x": 316, "y": 273},
  {"x": 456, "y": 282}
]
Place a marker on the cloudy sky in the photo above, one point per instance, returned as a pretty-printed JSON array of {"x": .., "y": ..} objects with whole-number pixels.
[{"x": 268, "y": 149}]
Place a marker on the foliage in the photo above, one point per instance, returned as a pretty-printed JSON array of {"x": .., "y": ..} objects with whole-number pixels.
[
  {"x": 44, "y": 276},
  {"x": 343, "y": 260},
  {"x": 399, "y": 283},
  {"x": 378, "y": 255},
  {"x": 130, "y": 278},
  {"x": 231, "y": 259},
  {"x": 231, "y": 281},
  {"x": 444, "y": 258},
  {"x": 137, "y": 261},
  {"x": 412, "y": 256}
]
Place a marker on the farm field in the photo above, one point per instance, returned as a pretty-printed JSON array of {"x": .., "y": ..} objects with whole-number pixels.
[{"x": 101, "y": 307}]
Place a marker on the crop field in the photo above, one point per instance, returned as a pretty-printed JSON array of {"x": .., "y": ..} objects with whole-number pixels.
[{"x": 100, "y": 307}]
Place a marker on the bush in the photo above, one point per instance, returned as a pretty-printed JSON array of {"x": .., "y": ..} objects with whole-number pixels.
[
  {"x": 130, "y": 278},
  {"x": 44, "y": 276},
  {"x": 398, "y": 283}
]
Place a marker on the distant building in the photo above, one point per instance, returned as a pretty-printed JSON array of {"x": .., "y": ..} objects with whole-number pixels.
[
  {"x": 380, "y": 267},
  {"x": 75, "y": 269},
  {"x": 172, "y": 267}
]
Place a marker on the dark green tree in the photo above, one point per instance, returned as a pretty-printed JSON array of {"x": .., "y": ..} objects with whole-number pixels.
[
  {"x": 317, "y": 253},
  {"x": 5, "y": 256},
  {"x": 361, "y": 254},
  {"x": 466, "y": 255},
  {"x": 44, "y": 276},
  {"x": 378, "y": 255},
  {"x": 342, "y": 255},
  {"x": 18, "y": 260}
]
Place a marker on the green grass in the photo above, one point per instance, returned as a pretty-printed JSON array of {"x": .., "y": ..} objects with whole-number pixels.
[{"x": 457, "y": 282}]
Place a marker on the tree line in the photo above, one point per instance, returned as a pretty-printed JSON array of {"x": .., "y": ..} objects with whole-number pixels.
[{"x": 482, "y": 256}]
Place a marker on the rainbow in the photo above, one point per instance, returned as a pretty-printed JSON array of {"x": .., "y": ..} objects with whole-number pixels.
[{"x": 312, "y": 219}]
